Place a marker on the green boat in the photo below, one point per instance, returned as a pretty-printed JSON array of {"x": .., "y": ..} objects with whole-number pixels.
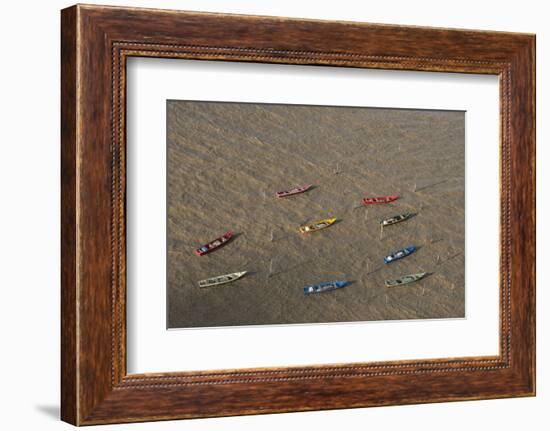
[
  {"x": 406, "y": 279},
  {"x": 396, "y": 219}
]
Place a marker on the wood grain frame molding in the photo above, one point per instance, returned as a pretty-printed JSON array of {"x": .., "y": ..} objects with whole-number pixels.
[{"x": 96, "y": 41}]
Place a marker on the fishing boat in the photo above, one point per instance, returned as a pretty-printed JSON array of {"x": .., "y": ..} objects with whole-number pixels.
[
  {"x": 396, "y": 219},
  {"x": 380, "y": 200},
  {"x": 321, "y": 224},
  {"x": 213, "y": 245},
  {"x": 406, "y": 279},
  {"x": 399, "y": 254},
  {"x": 293, "y": 191},
  {"x": 324, "y": 287},
  {"x": 221, "y": 279}
]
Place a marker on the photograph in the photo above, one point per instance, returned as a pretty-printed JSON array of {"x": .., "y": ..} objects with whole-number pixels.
[
  {"x": 219, "y": 210},
  {"x": 301, "y": 214}
]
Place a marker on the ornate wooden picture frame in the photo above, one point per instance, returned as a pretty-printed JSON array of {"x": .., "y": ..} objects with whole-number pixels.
[{"x": 96, "y": 41}]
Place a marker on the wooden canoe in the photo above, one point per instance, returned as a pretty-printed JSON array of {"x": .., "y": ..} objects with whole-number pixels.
[
  {"x": 321, "y": 224},
  {"x": 406, "y": 279},
  {"x": 379, "y": 200},
  {"x": 213, "y": 245},
  {"x": 399, "y": 254},
  {"x": 396, "y": 219},
  {"x": 221, "y": 279},
  {"x": 294, "y": 191}
]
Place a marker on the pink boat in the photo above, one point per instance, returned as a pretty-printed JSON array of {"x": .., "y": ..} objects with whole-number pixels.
[
  {"x": 380, "y": 200},
  {"x": 213, "y": 245},
  {"x": 294, "y": 191}
]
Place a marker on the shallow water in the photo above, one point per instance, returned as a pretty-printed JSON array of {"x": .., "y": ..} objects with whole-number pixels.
[{"x": 227, "y": 160}]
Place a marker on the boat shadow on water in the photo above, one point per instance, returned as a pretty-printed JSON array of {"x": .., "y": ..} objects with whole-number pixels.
[
  {"x": 290, "y": 268},
  {"x": 427, "y": 186},
  {"x": 428, "y": 274},
  {"x": 372, "y": 271},
  {"x": 418, "y": 247},
  {"x": 441, "y": 261},
  {"x": 235, "y": 236}
]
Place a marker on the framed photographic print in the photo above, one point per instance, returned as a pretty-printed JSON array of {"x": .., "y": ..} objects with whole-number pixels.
[{"x": 267, "y": 215}]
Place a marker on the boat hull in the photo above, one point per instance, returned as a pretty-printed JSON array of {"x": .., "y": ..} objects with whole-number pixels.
[
  {"x": 221, "y": 279},
  {"x": 406, "y": 279},
  {"x": 324, "y": 287},
  {"x": 399, "y": 254},
  {"x": 379, "y": 200},
  {"x": 314, "y": 227},
  {"x": 294, "y": 191},
  {"x": 214, "y": 245},
  {"x": 395, "y": 219}
]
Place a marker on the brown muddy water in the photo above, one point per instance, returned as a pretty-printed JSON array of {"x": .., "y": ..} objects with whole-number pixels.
[{"x": 227, "y": 160}]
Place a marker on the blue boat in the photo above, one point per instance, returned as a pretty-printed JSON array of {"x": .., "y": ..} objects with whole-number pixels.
[
  {"x": 324, "y": 287},
  {"x": 399, "y": 254}
]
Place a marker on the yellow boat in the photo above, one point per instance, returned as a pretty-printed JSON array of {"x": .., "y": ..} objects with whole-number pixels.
[{"x": 321, "y": 224}]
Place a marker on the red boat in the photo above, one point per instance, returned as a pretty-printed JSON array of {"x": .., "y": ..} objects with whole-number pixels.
[
  {"x": 380, "y": 200},
  {"x": 294, "y": 191},
  {"x": 213, "y": 245}
]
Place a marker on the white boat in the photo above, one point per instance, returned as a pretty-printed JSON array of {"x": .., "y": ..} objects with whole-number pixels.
[
  {"x": 221, "y": 279},
  {"x": 406, "y": 279}
]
